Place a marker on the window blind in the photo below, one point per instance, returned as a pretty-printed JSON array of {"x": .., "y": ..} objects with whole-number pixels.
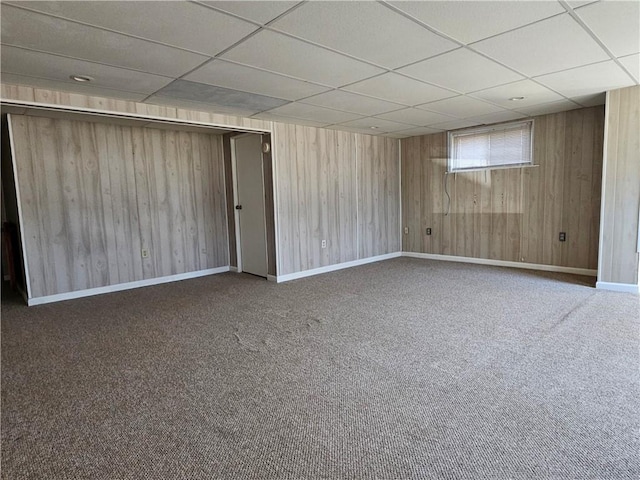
[{"x": 491, "y": 146}]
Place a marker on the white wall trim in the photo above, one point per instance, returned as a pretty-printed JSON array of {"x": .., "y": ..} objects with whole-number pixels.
[
  {"x": 124, "y": 286},
  {"x": 502, "y": 263},
  {"x": 234, "y": 269},
  {"x": 619, "y": 287},
  {"x": 337, "y": 266},
  {"x": 272, "y": 278}
]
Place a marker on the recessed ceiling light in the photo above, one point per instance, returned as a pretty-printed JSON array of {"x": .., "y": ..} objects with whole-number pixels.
[
  {"x": 516, "y": 99},
  {"x": 81, "y": 78},
  {"x": 374, "y": 128}
]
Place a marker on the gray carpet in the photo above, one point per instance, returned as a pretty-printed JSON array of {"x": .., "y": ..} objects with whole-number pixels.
[{"x": 396, "y": 370}]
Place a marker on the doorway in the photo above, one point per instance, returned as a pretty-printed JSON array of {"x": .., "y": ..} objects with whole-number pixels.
[{"x": 249, "y": 199}]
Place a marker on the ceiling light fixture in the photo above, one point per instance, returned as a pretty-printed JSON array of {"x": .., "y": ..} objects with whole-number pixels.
[
  {"x": 81, "y": 78},
  {"x": 374, "y": 128},
  {"x": 516, "y": 99}
]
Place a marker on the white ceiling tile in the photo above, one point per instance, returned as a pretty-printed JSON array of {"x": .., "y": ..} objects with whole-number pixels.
[
  {"x": 12, "y": 79},
  {"x": 225, "y": 97},
  {"x": 397, "y": 88},
  {"x": 456, "y": 124},
  {"x": 548, "y": 46},
  {"x": 505, "y": 116},
  {"x": 313, "y": 112},
  {"x": 270, "y": 68},
  {"x": 415, "y": 116},
  {"x": 534, "y": 94},
  {"x": 469, "y": 21},
  {"x": 588, "y": 80},
  {"x": 198, "y": 106},
  {"x": 395, "y": 135},
  {"x": 258, "y": 11},
  {"x": 616, "y": 23},
  {"x": 580, "y": 3},
  {"x": 461, "y": 107},
  {"x": 282, "y": 119},
  {"x": 417, "y": 132},
  {"x": 279, "y": 53},
  {"x": 360, "y": 29},
  {"x": 41, "y": 32},
  {"x": 591, "y": 100},
  {"x": 239, "y": 77},
  {"x": 351, "y": 102},
  {"x": 44, "y": 65},
  {"x": 547, "y": 108},
  {"x": 632, "y": 63},
  {"x": 201, "y": 29},
  {"x": 461, "y": 70},
  {"x": 382, "y": 125},
  {"x": 364, "y": 131}
]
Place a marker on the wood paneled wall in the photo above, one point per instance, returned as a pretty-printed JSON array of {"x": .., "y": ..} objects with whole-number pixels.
[
  {"x": 95, "y": 195},
  {"x": 621, "y": 188},
  {"x": 337, "y": 186},
  {"x": 103, "y": 104},
  {"x": 378, "y": 195},
  {"x": 510, "y": 214}
]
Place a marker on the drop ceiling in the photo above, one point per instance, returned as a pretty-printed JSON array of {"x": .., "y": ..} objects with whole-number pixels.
[{"x": 384, "y": 68}]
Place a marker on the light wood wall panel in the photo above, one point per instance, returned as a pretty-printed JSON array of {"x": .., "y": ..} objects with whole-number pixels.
[
  {"x": 337, "y": 186},
  {"x": 510, "y": 214},
  {"x": 378, "y": 193},
  {"x": 621, "y": 188},
  {"x": 103, "y": 104},
  {"x": 316, "y": 197},
  {"x": 94, "y": 196}
]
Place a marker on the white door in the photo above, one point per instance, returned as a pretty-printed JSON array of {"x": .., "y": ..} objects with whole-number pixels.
[{"x": 250, "y": 204}]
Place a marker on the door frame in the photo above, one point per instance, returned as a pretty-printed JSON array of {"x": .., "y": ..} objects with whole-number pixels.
[{"x": 236, "y": 213}]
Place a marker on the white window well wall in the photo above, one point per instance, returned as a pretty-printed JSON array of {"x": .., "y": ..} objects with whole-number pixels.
[{"x": 491, "y": 146}]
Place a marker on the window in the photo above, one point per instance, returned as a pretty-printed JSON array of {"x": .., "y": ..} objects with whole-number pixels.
[{"x": 491, "y": 146}]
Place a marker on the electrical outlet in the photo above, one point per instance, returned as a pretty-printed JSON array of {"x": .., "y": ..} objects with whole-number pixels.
[
  {"x": 428, "y": 231},
  {"x": 563, "y": 236},
  {"x": 324, "y": 244},
  {"x": 406, "y": 230},
  {"x": 145, "y": 253}
]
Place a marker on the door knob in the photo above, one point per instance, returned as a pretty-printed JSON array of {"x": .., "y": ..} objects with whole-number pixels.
[{"x": 238, "y": 207}]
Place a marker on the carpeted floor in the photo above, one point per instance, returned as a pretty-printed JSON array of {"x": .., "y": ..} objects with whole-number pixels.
[{"x": 396, "y": 370}]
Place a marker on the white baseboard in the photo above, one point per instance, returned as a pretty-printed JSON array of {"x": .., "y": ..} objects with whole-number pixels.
[
  {"x": 233, "y": 269},
  {"x": 272, "y": 278},
  {"x": 503, "y": 263},
  {"x": 337, "y": 266},
  {"x": 123, "y": 286},
  {"x": 619, "y": 287}
]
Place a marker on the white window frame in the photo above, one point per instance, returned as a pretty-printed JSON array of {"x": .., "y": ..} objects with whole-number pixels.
[{"x": 453, "y": 134}]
